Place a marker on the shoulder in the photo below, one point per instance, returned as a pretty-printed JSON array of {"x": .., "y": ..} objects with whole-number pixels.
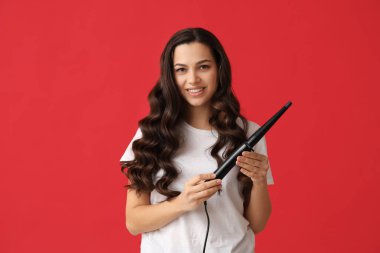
[
  {"x": 251, "y": 126},
  {"x": 138, "y": 134},
  {"x": 128, "y": 154}
]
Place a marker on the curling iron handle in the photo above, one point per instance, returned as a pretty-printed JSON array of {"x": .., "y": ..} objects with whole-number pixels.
[{"x": 230, "y": 162}]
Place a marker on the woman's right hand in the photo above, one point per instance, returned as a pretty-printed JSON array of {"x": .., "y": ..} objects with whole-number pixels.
[
  {"x": 197, "y": 190},
  {"x": 142, "y": 216}
]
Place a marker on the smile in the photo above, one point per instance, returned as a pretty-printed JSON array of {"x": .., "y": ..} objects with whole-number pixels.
[{"x": 196, "y": 92}]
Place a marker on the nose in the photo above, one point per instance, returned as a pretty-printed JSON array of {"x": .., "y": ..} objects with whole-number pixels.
[{"x": 192, "y": 77}]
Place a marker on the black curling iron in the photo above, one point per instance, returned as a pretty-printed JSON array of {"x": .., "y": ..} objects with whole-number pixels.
[{"x": 229, "y": 163}]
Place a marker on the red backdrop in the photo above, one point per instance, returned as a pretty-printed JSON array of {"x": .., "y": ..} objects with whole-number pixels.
[{"x": 74, "y": 79}]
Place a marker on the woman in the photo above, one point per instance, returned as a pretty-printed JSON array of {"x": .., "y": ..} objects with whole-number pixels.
[{"x": 193, "y": 125}]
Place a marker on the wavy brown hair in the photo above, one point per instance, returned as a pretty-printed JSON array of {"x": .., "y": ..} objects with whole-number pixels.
[{"x": 160, "y": 140}]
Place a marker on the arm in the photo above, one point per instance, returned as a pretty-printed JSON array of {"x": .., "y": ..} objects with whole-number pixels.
[
  {"x": 255, "y": 166},
  {"x": 142, "y": 216},
  {"x": 259, "y": 207}
]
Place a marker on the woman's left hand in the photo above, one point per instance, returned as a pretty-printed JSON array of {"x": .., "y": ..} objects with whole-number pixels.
[{"x": 253, "y": 165}]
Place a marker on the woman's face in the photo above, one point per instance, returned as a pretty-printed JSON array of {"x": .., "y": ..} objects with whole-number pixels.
[{"x": 195, "y": 72}]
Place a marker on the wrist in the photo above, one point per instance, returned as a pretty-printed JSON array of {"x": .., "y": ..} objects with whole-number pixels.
[
  {"x": 260, "y": 183},
  {"x": 176, "y": 205}
]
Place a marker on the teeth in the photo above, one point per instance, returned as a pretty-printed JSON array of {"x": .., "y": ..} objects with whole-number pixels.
[{"x": 195, "y": 90}]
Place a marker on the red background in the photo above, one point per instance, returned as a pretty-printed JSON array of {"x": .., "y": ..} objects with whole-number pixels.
[{"x": 74, "y": 79}]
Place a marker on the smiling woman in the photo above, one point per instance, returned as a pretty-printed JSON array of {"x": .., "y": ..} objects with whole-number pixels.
[
  {"x": 193, "y": 125},
  {"x": 196, "y": 80}
]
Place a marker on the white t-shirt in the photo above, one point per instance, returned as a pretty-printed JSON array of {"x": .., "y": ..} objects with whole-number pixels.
[{"x": 229, "y": 229}]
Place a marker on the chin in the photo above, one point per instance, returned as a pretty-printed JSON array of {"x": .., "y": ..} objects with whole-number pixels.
[{"x": 196, "y": 103}]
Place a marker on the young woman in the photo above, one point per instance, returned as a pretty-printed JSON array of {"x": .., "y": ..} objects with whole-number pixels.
[{"x": 193, "y": 125}]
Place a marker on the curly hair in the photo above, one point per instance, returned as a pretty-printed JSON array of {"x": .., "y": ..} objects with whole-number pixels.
[{"x": 160, "y": 140}]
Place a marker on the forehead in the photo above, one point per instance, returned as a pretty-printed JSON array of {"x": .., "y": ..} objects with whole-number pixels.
[{"x": 191, "y": 53}]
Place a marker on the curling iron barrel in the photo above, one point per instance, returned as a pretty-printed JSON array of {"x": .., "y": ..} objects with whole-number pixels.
[{"x": 229, "y": 163}]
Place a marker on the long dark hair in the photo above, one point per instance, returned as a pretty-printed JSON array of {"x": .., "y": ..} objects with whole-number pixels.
[{"x": 160, "y": 140}]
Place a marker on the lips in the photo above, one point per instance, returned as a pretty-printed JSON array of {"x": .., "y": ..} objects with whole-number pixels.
[{"x": 196, "y": 91}]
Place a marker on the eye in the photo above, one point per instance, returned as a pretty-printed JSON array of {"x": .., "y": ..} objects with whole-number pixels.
[
  {"x": 180, "y": 70},
  {"x": 204, "y": 67}
]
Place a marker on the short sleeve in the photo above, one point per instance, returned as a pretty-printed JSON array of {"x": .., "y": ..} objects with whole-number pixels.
[
  {"x": 128, "y": 154},
  {"x": 261, "y": 148}
]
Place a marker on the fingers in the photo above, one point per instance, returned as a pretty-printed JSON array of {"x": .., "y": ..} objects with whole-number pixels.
[
  {"x": 248, "y": 173},
  {"x": 241, "y": 161},
  {"x": 249, "y": 160},
  {"x": 199, "y": 190},
  {"x": 255, "y": 156},
  {"x": 253, "y": 165},
  {"x": 201, "y": 177},
  {"x": 254, "y": 173},
  {"x": 206, "y": 194},
  {"x": 206, "y": 185}
]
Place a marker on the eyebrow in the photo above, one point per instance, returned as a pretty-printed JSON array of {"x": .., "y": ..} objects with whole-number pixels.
[{"x": 202, "y": 61}]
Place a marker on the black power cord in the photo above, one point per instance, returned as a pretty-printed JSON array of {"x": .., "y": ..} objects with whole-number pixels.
[{"x": 208, "y": 226}]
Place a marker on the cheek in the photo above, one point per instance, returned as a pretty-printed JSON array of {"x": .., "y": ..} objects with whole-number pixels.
[
  {"x": 214, "y": 81},
  {"x": 179, "y": 81},
  {"x": 180, "y": 85}
]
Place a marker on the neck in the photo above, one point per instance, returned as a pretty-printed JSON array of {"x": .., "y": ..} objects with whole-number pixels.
[{"x": 198, "y": 117}]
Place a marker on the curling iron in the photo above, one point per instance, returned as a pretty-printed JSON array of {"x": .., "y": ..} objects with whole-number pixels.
[{"x": 229, "y": 163}]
